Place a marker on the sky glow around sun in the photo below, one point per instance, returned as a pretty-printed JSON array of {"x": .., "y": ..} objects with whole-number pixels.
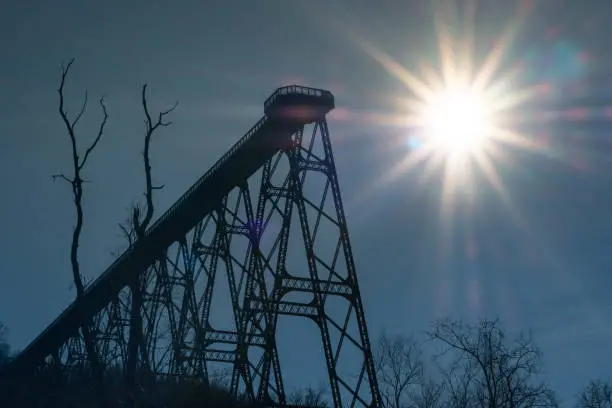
[{"x": 458, "y": 116}]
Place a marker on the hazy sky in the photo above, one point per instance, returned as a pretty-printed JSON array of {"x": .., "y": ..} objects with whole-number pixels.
[{"x": 541, "y": 263}]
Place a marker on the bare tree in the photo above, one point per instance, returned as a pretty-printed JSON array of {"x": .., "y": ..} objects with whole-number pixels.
[
  {"x": 399, "y": 369},
  {"x": 458, "y": 378},
  {"x": 497, "y": 373},
  {"x": 309, "y": 397},
  {"x": 597, "y": 394},
  {"x": 429, "y": 394},
  {"x": 76, "y": 182},
  {"x": 136, "y": 230}
]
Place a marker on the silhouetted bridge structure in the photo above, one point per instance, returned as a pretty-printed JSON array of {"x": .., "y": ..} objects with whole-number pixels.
[{"x": 223, "y": 226}]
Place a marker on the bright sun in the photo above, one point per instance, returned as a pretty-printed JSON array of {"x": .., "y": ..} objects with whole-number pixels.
[{"x": 456, "y": 120}]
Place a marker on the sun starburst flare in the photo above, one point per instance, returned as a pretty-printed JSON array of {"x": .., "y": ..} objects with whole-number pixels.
[{"x": 458, "y": 117}]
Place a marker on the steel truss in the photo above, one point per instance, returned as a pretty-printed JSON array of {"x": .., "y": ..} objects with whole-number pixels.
[{"x": 265, "y": 241}]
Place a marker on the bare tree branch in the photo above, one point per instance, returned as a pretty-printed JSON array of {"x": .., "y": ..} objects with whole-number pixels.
[
  {"x": 127, "y": 233},
  {"x": 80, "y": 114},
  {"x": 429, "y": 394},
  {"x": 62, "y": 177},
  {"x": 309, "y": 397},
  {"x": 597, "y": 394},
  {"x": 98, "y": 136}
]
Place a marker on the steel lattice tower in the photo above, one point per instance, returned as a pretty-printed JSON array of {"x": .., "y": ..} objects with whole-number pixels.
[{"x": 266, "y": 220}]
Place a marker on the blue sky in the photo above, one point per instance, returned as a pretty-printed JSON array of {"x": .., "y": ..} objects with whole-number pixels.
[{"x": 221, "y": 59}]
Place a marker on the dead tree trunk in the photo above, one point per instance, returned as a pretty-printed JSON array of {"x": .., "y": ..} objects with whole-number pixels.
[
  {"x": 76, "y": 182},
  {"x": 135, "y": 233}
]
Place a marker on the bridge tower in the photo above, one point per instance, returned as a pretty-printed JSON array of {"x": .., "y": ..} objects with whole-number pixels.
[{"x": 267, "y": 223}]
